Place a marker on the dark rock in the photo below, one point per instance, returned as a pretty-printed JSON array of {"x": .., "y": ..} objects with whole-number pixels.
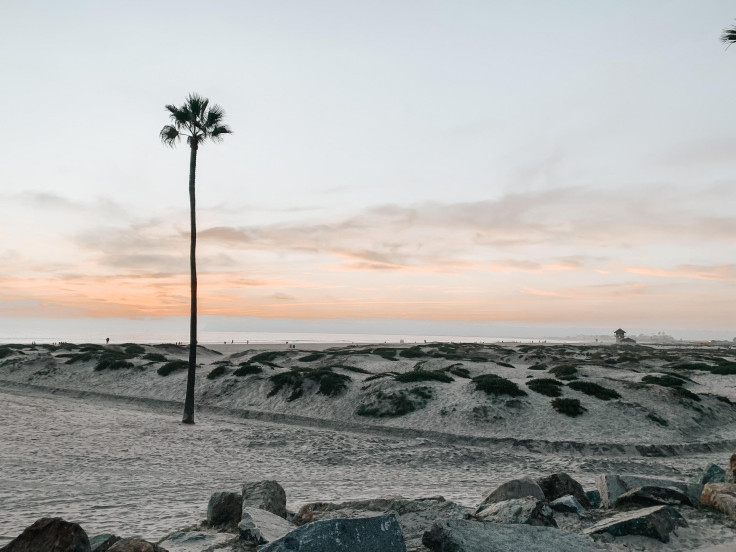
[
  {"x": 560, "y": 484},
  {"x": 415, "y": 515},
  {"x": 527, "y": 510},
  {"x": 721, "y": 496},
  {"x": 224, "y": 510},
  {"x": 135, "y": 545},
  {"x": 50, "y": 535},
  {"x": 101, "y": 543},
  {"x": 709, "y": 474},
  {"x": 731, "y": 471},
  {"x": 260, "y": 527},
  {"x": 656, "y": 522},
  {"x": 652, "y": 496},
  {"x": 516, "y": 488},
  {"x": 266, "y": 495},
  {"x": 473, "y": 536},
  {"x": 567, "y": 504},
  {"x": 374, "y": 534},
  {"x": 594, "y": 497},
  {"x": 613, "y": 486},
  {"x": 197, "y": 541}
]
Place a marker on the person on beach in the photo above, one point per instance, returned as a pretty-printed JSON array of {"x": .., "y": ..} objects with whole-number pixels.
[{"x": 107, "y": 340}]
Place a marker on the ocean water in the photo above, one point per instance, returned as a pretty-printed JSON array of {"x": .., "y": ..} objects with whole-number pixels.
[{"x": 205, "y": 337}]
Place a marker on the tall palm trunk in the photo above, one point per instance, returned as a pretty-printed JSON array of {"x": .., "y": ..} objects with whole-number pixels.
[{"x": 189, "y": 401}]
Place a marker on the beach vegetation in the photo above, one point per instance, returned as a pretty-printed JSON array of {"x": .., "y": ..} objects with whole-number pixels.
[
  {"x": 398, "y": 403},
  {"x": 491, "y": 384},
  {"x": 112, "y": 362},
  {"x": 247, "y": 369},
  {"x": 657, "y": 419},
  {"x": 354, "y": 369},
  {"x": 412, "y": 352},
  {"x": 268, "y": 357},
  {"x": 568, "y": 407},
  {"x": 172, "y": 366},
  {"x": 155, "y": 357},
  {"x": 458, "y": 370},
  {"x": 546, "y": 386},
  {"x": 594, "y": 390},
  {"x": 538, "y": 366},
  {"x": 385, "y": 352},
  {"x": 423, "y": 375},
  {"x": 564, "y": 371},
  {"x": 5, "y": 352},
  {"x": 198, "y": 121},
  {"x": 311, "y": 357},
  {"x": 217, "y": 372},
  {"x": 504, "y": 364},
  {"x": 133, "y": 348},
  {"x": 330, "y": 383},
  {"x": 380, "y": 375}
]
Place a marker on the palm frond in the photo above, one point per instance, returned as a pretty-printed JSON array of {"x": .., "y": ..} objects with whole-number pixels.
[
  {"x": 729, "y": 35},
  {"x": 169, "y": 135},
  {"x": 180, "y": 116},
  {"x": 217, "y": 132},
  {"x": 214, "y": 117},
  {"x": 197, "y": 105}
]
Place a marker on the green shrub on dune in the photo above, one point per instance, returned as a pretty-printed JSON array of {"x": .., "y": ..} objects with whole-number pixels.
[
  {"x": 595, "y": 390},
  {"x": 172, "y": 366},
  {"x": 133, "y": 348},
  {"x": 155, "y": 357},
  {"x": 423, "y": 375},
  {"x": 568, "y": 407},
  {"x": 247, "y": 369},
  {"x": 492, "y": 384},
  {"x": 311, "y": 357},
  {"x": 546, "y": 386},
  {"x": 217, "y": 372},
  {"x": 564, "y": 371},
  {"x": 330, "y": 383}
]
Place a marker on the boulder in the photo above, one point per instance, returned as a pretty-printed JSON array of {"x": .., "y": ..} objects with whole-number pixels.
[
  {"x": 415, "y": 515},
  {"x": 472, "y": 536},
  {"x": 135, "y": 545},
  {"x": 101, "y": 543},
  {"x": 259, "y": 526},
  {"x": 709, "y": 474},
  {"x": 560, "y": 484},
  {"x": 50, "y": 535},
  {"x": 567, "y": 504},
  {"x": 374, "y": 534},
  {"x": 652, "y": 496},
  {"x": 197, "y": 541},
  {"x": 656, "y": 522},
  {"x": 721, "y": 496},
  {"x": 224, "y": 510},
  {"x": 516, "y": 488},
  {"x": 594, "y": 497},
  {"x": 527, "y": 510},
  {"x": 266, "y": 495},
  {"x": 731, "y": 472},
  {"x": 613, "y": 486}
]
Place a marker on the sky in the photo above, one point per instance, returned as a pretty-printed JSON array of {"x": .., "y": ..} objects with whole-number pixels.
[{"x": 444, "y": 165}]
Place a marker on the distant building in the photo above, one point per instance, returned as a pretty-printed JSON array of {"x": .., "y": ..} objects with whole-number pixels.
[{"x": 621, "y": 337}]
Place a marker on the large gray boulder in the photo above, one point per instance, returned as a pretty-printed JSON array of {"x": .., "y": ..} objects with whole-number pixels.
[
  {"x": 266, "y": 495},
  {"x": 656, "y": 522},
  {"x": 516, "y": 488},
  {"x": 474, "y": 536},
  {"x": 375, "y": 534},
  {"x": 527, "y": 510},
  {"x": 224, "y": 510},
  {"x": 50, "y": 535},
  {"x": 560, "y": 484},
  {"x": 101, "y": 543},
  {"x": 613, "y": 486},
  {"x": 415, "y": 515},
  {"x": 135, "y": 545},
  {"x": 260, "y": 527},
  {"x": 652, "y": 496},
  {"x": 731, "y": 471},
  {"x": 709, "y": 474},
  {"x": 721, "y": 496}
]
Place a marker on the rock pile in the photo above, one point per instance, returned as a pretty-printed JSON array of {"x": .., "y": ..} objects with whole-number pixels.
[{"x": 549, "y": 513}]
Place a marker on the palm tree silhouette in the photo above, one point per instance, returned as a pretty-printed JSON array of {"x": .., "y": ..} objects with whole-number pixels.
[
  {"x": 198, "y": 121},
  {"x": 729, "y": 35}
]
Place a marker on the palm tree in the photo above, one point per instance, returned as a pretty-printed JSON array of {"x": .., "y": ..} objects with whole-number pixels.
[
  {"x": 198, "y": 121},
  {"x": 729, "y": 35}
]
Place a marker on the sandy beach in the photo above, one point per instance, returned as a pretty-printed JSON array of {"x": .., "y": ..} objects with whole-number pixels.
[{"x": 104, "y": 447}]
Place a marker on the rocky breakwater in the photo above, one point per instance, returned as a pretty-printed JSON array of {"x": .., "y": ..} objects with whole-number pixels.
[{"x": 545, "y": 514}]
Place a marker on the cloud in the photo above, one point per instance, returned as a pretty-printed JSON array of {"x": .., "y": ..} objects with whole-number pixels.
[{"x": 721, "y": 273}]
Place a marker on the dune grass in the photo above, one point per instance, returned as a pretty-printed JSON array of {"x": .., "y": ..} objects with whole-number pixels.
[
  {"x": 423, "y": 375},
  {"x": 217, "y": 372},
  {"x": 594, "y": 390},
  {"x": 568, "y": 407},
  {"x": 247, "y": 369},
  {"x": 546, "y": 386},
  {"x": 173, "y": 366},
  {"x": 491, "y": 384},
  {"x": 564, "y": 371}
]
